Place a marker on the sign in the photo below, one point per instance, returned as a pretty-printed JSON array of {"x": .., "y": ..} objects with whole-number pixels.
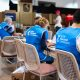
[{"x": 12, "y": 15}]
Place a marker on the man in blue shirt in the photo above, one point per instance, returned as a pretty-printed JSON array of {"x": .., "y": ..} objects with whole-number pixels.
[
  {"x": 6, "y": 28},
  {"x": 37, "y": 35},
  {"x": 66, "y": 38},
  {"x": 7, "y": 25}
]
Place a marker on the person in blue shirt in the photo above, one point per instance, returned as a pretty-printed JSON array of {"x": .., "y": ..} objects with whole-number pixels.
[
  {"x": 7, "y": 25},
  {"x": 37, "y": 35},
  {"x": 6, "y": 28},
  {"x": 3, "y": 33},
  {"x": 67, "y": 39}
]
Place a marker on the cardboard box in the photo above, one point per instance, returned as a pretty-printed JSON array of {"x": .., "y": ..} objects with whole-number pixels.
[
  {"x": 28, "y": 76},
  {"x": 18, "y": 74}
]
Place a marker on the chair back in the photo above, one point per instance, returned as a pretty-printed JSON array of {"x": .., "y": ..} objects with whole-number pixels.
[
  {"x": 8, "y": 47},
  {"x": 67, "y": 66},
  {"x": 50, "y": 34},
  {"x": 32, "y": 59},
  {"x": 10, "y": 37},
  {"x": 20, "y": 50}
]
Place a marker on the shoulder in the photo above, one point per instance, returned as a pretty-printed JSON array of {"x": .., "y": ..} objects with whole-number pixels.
[
  {"x": 62, "y": 29},
  {"x": 4, "y": 24}
]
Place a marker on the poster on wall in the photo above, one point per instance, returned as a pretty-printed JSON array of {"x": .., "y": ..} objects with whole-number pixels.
[
  {"x": 26, "y": 7},
  {"x": 12, "y": 15}
]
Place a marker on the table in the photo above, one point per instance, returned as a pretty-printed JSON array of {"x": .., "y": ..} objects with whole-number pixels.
[{"x": 52, "y": 48}]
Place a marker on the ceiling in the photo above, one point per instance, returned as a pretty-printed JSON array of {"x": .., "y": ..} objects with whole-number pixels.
[{"x": 28, "y": 1}]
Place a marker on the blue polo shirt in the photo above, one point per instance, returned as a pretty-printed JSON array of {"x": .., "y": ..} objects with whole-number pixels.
[
  {"x": 7, "y": 27},
  {"x": 3, "y": 33},
  {"x": 34, "y": 37},
  {"x": 66, "y": 40}
]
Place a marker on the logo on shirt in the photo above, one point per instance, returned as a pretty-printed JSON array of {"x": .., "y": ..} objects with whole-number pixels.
[
  {"x": 31, "y": 33},
  {"x": 62, "y": 39}
]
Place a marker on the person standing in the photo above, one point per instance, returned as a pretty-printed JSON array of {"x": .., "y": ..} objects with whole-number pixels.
[{"x": 58, "y": 21}]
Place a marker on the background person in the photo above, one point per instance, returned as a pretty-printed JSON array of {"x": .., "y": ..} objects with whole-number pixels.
[
  {"x": 8, "y": 26},
  {"x": 37, "y": 35},
  {"x": 5, "y": 29},
  {"x": 58, "y": 21}
]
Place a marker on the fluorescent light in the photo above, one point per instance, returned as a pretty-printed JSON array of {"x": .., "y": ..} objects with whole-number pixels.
[
  {"x": 15, "y": 1},
  {"x": 72, "y": 5}
]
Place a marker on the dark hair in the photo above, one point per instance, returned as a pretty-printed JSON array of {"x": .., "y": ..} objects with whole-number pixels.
[
  {"x": 76, "y": 17},
  {"x": 36, "y": 18}
]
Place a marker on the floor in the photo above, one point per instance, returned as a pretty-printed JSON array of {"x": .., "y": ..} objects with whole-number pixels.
[{"x": 5, "y": 69}]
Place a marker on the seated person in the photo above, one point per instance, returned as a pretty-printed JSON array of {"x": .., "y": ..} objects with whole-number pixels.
[
  {"x": 37, "y": 35},
  {"x": 7, "y": 25},
  {"x": 7, "y": 28},
  {"x": 68, "y": 39}
]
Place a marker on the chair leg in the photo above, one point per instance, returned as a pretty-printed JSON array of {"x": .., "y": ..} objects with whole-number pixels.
[
  {"x": 40, "y": 77},
  {"x": 24, "y": 75}
]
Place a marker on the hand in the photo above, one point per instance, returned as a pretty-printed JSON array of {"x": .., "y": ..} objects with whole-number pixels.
[
  {"x": 17, "y": 34},
  {"x": 50, "y": 43}
]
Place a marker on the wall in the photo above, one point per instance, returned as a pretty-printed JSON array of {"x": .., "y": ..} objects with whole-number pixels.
[
  {"x": 25, "y": 18},
  {"x": 1, "y": 16}
]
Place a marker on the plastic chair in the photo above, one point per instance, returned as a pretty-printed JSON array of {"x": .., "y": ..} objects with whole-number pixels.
[
  {"x": 33, "y": 64},
  {"x": 8, "y": 47},
  {"x": 67, "y": 66},
  {"x": 10, "y": 37},
  {"x": 20, "y": 50}
]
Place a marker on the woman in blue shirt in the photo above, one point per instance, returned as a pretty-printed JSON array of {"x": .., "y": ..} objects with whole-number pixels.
[{"x": 37, "y": 35}]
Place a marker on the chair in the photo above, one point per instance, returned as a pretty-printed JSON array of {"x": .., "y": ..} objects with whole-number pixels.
[
  {"x": 67, "y": 66},
  {"x": 20, "y": 57},
  {"x": 8, "y": 48},
  {"x": 32, "y": 62},
  {"x": 20, "y": 50},
  {"x": 10, "y": 37}
]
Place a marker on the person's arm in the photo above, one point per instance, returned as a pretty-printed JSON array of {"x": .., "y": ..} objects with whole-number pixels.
[
  {"x": 44, "y": 41},
  {"x": 51, "y": 42}
]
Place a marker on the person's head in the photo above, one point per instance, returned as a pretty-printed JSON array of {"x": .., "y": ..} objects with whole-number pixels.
[
  {"x": 36, "y": 19},
  {"x": 8, "y": 20},
  {"x": 57, "y": 12},
  {"x": 43, "y": 22},
  {"x": 76, "y": 17}
]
